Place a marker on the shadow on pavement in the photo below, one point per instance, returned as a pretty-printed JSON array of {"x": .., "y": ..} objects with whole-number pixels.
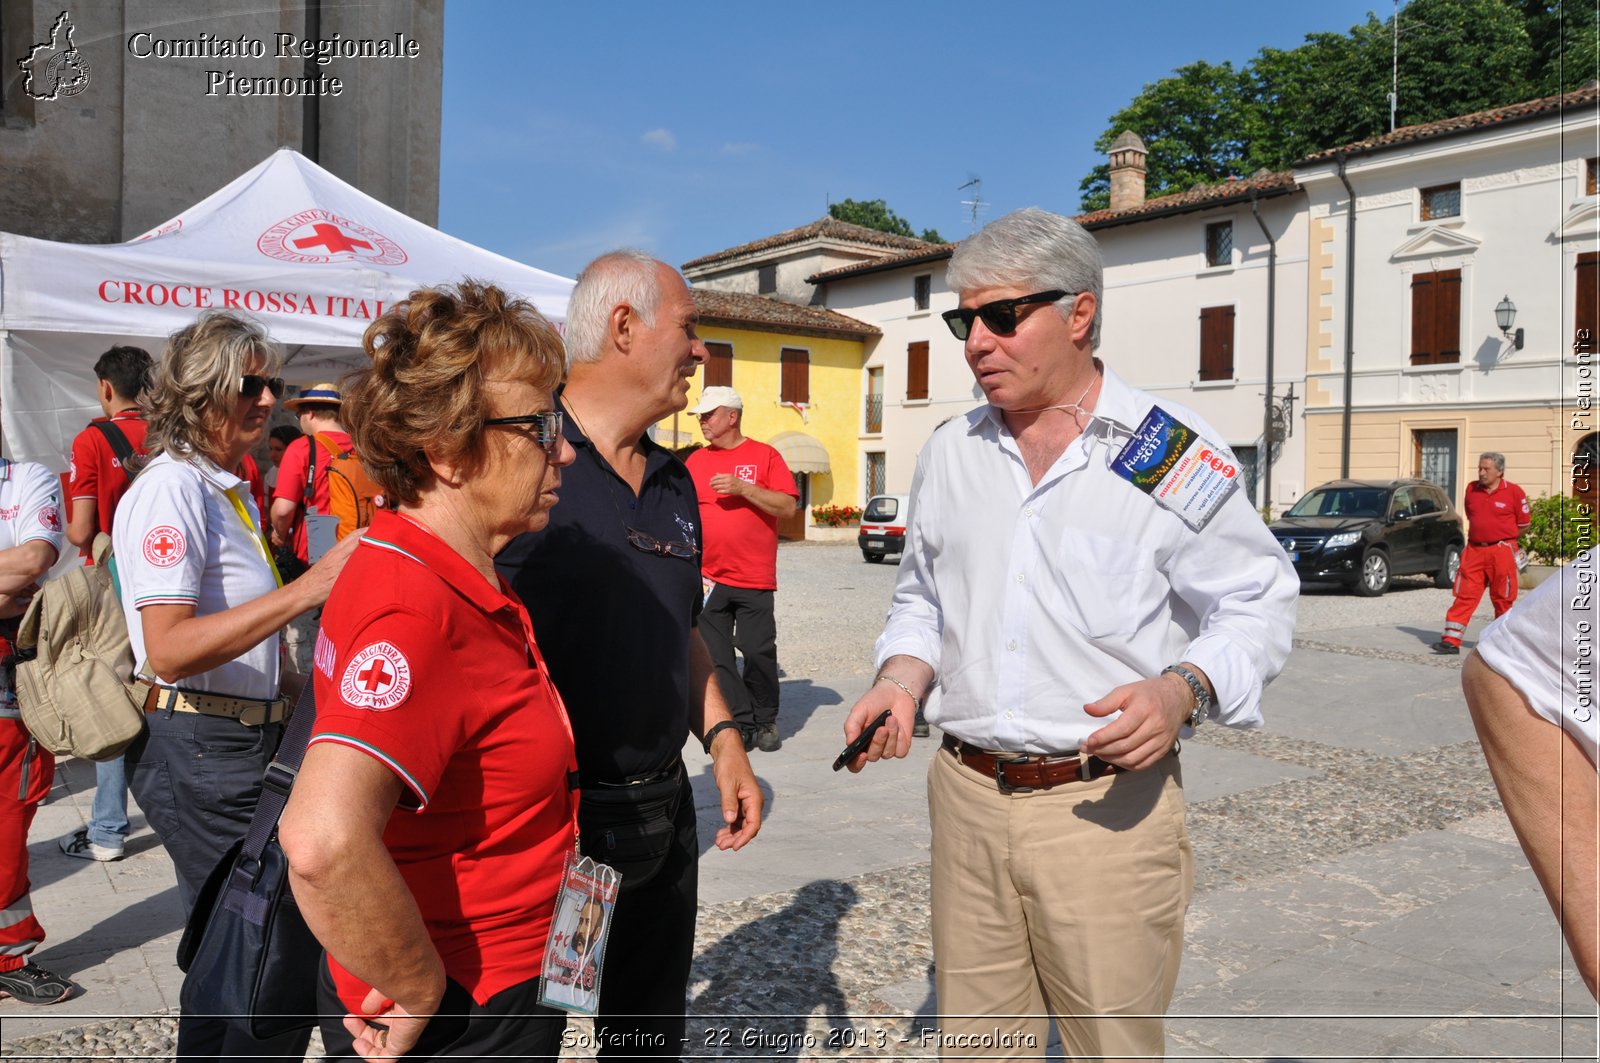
[{"x": 130, "y": 928}]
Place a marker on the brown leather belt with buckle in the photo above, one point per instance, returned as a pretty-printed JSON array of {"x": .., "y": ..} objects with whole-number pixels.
[
  {"x": 248, "y": 711},
  {"x": 1022, "y": 772}
]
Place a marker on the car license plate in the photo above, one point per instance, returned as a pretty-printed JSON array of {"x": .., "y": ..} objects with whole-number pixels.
[{"x": 1294, "y": 556}]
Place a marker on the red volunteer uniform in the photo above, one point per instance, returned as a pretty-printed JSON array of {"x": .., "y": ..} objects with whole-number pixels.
[
  {"x": 1494, "y": 520},
  {"x": 741, "y": 541},
  {"x": 423, "y": 666},
  {"x": 292, "y": 481},
  {"x": 95, "y": 472}
]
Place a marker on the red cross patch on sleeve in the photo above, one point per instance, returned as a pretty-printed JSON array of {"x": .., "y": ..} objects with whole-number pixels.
[
  {"x": 377, "y": 678},
  {"x": 164, "y": 546},
  {"x": 50, "y": 517}
]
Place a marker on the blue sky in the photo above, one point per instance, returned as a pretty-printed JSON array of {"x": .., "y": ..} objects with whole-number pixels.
[{"x": 574, "y": 128}]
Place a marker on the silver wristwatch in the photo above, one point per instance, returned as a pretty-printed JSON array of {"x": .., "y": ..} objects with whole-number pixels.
[{"x": 1202, "y": 696}]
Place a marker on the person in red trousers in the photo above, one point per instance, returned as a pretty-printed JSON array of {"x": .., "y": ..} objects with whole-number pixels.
[{"x": 1497, "y": 515}]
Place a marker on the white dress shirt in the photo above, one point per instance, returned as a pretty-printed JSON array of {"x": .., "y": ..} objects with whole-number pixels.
[
  {"x": 179, "y": 540},
  {"x": 1031, "y": 601}
]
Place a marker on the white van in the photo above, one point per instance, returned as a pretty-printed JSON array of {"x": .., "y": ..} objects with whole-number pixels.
[{"x": 883, "y": 526}]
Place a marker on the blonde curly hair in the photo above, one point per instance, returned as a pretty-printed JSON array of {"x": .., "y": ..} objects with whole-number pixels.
[{"x": 197, "y": 383}]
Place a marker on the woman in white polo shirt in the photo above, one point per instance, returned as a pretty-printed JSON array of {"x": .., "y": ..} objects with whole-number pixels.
[{"x": 204, "y": 607}]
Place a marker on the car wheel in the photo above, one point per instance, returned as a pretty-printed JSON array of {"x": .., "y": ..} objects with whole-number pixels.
[
  {"x": 1446, "y": 576},
  {"x": 872, "y": 557},
  {"x": 1374, "y": 573}
]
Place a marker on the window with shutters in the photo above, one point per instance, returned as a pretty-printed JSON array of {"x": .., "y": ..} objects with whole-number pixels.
[
  {"x": 1586, "y": 298},
  {"x": 1436, "y": 317},
  {"x": 1219, "y": 243},
  {"x": 1216, "y": 343},
  {"x": 921, "y": 291},
  {"x": 917, "y": 370},
  {"x": 719, "y": 365},
  {"x": 1441, "y": 201},
  {"x": 767, "y": 279},
  {"x": 1590, "y": 168},
  {"x": 795, "y": 386}
]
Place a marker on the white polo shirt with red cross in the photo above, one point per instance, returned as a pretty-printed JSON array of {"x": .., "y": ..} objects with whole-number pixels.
[{"x": 180, "y": 541}]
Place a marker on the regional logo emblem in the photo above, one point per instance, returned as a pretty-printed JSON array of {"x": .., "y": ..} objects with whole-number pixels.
[
  {"x": 746, "y": 473},
  {"x": 316, "y": 236},
  {"x": 377, "y": 678},
  {"x": 164, "y": 546},
  {"x": 55, "y": 68}
]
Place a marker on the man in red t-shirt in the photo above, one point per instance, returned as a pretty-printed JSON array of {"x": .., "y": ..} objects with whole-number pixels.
[
  {"x": 744, "y": 488},
  {"x": 318, "y": 410},
  {"x": 97, "y": 480},
  {"x": 1497, "y": 515}
]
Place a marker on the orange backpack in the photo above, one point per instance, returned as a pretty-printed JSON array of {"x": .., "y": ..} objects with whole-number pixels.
[{"x": 352, "y": 496}]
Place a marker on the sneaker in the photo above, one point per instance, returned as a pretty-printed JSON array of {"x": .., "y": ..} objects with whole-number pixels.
[
  {"x": 767, "y": 739},
  {"x": 749, "y": 734},
  {"x": 32, "y": 984},
  {"x": 1446, "y": 648},
  {"x": 80, "y": 846},
  {"x": 919, "y": 726}
]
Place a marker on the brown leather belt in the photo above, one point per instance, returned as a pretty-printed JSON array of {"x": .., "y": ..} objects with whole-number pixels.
[
  {"x": 1495, "y": 542},
  {"x": 248, "y": 711},
  {"x": 1022, "y": 772}
]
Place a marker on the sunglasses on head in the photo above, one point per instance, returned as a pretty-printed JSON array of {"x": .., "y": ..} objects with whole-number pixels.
[
  {"x": 546, "y": 427},
  {"x": 251, "y": 386},
  {"x": 1000, "y": 316},
  {"x": 660, "y": 547}
]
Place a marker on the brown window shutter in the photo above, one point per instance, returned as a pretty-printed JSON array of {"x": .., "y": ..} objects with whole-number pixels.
[
  {"x": 1447, "y": 317},
  {"x": 1587, "y": 300},
  {"x": 719, "y": 366},
  {"x": 796, "y": 370},
  {"x": 1216, "y": 343},
  {"x": 1422, "y": 318},
  {"x": 917, "y": 370}
]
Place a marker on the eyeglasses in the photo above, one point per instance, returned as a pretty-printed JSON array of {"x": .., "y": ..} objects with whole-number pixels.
[
  {"x": 546, "y": 427},
  {"x": 251, "y": 386},
  {"x": 661, "y": 548},
  {"x": 1000, "y": 316}
]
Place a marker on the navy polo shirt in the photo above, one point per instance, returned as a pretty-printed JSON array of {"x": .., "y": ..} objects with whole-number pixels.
[{"x": 613, "y": 621}]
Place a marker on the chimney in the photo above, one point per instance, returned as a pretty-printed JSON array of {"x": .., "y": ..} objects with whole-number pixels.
[{"x": 1127, "y": 171}]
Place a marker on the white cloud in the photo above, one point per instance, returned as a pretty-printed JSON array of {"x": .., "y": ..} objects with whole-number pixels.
[{"x": 661, "y": 138}]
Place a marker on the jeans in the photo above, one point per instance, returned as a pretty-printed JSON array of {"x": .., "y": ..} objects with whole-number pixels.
[{"x": 108, "y": 819}]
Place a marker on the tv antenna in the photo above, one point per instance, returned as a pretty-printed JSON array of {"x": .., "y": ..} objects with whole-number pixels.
[
  {"x": 976, "y": 202},
  {"x": 1394, "y": 73}
]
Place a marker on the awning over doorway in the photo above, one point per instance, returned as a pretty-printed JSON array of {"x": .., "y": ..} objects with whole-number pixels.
[{"x": 801, "y": 452}]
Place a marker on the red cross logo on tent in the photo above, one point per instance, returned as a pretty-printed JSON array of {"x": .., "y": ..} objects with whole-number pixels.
[
  {"x": 316, "y": 236},
  {"x": 164, "y": 546},
  {"x": 377, "y": 678}
]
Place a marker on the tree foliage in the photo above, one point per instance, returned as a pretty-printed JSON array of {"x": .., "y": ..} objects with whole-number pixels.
[
  {"x": 875, "y": 214},
  {"x": 1209, "y": 122}
]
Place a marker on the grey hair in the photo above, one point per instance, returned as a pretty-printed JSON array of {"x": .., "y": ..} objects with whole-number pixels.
[
  {"x": 1496, "y": 457},
  {"x": 1033, "y": 249},
  {"x": 620, "y": 277},
  {"x": 197, "y": 382}
]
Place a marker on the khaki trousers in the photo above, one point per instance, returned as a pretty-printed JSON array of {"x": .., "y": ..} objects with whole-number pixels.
[{"x": 1068, "y": 901}]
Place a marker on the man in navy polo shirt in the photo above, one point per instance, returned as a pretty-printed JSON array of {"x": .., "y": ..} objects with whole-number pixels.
[{"x": 620, "y": 560}]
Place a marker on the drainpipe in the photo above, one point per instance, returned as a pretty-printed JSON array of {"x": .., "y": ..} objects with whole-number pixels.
[
  {"x": 1349, "y": 316},
  {"x": 310, "y": 109},
  {"x": 1272, "y": 304}
]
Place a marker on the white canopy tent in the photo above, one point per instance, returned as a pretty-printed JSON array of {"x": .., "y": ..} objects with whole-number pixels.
[{"x": 312, "y": 258}]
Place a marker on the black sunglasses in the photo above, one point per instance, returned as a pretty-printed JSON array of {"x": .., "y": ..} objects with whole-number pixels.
[
  {"x": 546, "y": 427},
  {"x": 660, "y": 547},
  {"x": 251, "y": 386},
  {"x": 1000, "y": 315}
]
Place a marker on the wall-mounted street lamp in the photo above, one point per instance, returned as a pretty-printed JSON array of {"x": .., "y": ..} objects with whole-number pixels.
[{"x": 1505, "y": 315}]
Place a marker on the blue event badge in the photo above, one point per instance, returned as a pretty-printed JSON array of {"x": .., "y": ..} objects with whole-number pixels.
[
  {"x": 575, "y": 953},
  {"x": 1178, "y": 468}
]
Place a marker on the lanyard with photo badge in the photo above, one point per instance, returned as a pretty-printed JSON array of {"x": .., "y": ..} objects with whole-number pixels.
[
  {"x": 1177, "y": 467},
  {"x": 575, "y": 951}
]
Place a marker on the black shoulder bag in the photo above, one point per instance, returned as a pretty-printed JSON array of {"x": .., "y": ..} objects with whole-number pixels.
[
  {"x": 131, "y": 461},
  {"x": 247, "y": 952}
]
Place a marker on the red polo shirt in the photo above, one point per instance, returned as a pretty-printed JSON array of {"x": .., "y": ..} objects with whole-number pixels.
[
  {"x": 96, "y": 473},
  {"x": 1493, "y": 516},
  {"x": 292, "y": 481},
  {"x": 423, "y": 666}
]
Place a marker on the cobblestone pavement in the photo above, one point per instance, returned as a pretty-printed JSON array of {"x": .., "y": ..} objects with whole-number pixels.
[{"x": 1363, "y": 809}]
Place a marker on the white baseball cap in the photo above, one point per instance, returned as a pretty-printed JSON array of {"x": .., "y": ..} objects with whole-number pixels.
[{"x": 711, "y": 398}]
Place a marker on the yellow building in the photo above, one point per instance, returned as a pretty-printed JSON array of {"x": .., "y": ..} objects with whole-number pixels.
[{"x": 798, "y": 371}]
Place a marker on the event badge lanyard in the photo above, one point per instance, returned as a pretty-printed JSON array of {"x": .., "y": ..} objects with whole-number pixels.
[
  {"x": 1178, "y": 468},
  {"x": 255, "y": 534}
]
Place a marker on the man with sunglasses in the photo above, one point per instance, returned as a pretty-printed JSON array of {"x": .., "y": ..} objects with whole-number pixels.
[
  {"x": 1073, "y": 626},
  {"x": 612, "y": 585},
  {"x": 745, "y": 488}
]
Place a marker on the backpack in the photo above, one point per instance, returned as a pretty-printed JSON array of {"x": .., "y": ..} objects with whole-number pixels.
[
  {"x": 74, "y": 674},
  {"x": 352, "y": 496}
]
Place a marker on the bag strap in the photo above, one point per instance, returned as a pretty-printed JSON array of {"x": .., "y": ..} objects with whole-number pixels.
[
  {"x": 119, "y": 444},
  {"x": 276, "y": 785}
]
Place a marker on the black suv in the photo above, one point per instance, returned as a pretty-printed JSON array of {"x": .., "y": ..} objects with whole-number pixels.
[{"x": 1362, "y": 532}]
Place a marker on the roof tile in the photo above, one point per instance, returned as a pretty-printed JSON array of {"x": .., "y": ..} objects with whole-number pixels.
[
  {"x": 823, "y": 227},
  {"x": 743, "y": 309}
]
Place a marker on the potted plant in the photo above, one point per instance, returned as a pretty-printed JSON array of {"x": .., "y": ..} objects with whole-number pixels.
[{"x": 1561, "y": 528}]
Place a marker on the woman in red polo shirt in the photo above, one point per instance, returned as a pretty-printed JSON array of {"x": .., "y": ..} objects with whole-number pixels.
[{"x": 431, "y": 818}]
